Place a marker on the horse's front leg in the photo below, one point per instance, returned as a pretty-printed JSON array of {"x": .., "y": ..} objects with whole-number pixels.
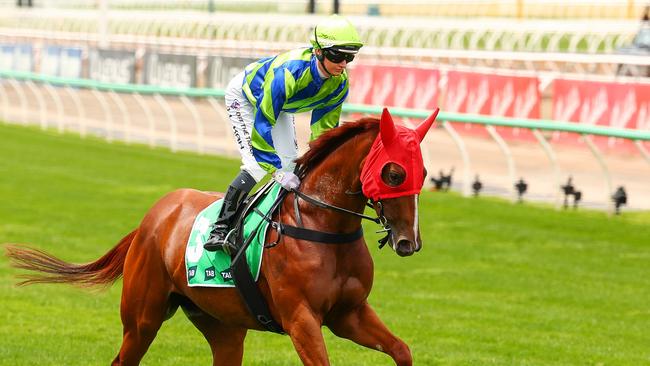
[
  {"x": 304, "y": 328},
  {"x": 363, "y": 326}
]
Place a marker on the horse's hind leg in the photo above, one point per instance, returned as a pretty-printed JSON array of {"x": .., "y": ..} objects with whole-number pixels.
[
  {"x": 226, "y": 343},
  {"x": 144, "y": 307}
]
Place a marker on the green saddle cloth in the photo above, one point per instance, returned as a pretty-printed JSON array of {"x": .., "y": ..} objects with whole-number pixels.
[{"x": 212, "y": 269}]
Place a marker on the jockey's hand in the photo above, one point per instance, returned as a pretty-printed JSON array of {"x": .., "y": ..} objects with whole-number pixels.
[{"x": 287, "y": 180}]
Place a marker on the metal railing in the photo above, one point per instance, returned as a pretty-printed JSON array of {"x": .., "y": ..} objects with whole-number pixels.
[{"x": 177, "y": 118}]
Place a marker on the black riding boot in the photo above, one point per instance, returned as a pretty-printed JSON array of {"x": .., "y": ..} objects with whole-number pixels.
[{"x": 237, "y": 191}]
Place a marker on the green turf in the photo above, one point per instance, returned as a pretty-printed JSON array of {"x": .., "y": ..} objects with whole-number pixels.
[{"x": 496, "y": 283}]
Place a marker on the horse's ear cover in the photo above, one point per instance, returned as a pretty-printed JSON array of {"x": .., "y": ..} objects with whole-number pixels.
[
  {"x": 386, "y": 127},
  {"x": 424, "y": 127},
  {"x": 399, "y": 145}
]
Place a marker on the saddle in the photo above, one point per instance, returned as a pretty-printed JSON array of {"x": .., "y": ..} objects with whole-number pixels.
[{"x": 250, "y": 204}]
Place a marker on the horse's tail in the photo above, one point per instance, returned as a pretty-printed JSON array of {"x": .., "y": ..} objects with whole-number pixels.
[{"x": 103, "y": 271}]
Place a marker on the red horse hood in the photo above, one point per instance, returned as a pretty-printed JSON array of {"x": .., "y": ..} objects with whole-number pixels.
[{"x": 399, "y": 145}]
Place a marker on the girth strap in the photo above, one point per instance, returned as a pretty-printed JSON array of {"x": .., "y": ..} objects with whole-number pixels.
[{"x": 317, "y": 236}]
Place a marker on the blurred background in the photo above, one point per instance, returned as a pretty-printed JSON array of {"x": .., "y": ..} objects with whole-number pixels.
[
  {"x": 67, "y": 65},
  {"x": 544, "y": 101}
]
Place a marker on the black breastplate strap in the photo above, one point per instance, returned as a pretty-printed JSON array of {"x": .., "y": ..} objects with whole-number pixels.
[
  {"x": 244, "y": 282},
  {"x": 252, "y": 296},
  {"x": 317, "y": 236}
]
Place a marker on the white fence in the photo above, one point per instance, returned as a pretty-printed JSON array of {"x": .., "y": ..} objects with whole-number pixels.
[{"x": 177, "y": 122}]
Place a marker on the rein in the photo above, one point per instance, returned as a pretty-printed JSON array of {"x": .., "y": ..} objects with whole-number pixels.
[
  {"x": 321, "y": 204},
  {"x": 299, "y": 232}
]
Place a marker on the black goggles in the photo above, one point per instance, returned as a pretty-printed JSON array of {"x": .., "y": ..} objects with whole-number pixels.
[{"x": 337, "y": 56}]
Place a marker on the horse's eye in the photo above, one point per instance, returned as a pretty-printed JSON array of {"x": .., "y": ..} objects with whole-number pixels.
[
  {"x": 393, "y": 174},
  {"x": 394, "y": 177}
]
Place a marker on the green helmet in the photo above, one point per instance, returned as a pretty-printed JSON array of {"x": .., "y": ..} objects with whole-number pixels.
[{"x": 337, "y": 32}]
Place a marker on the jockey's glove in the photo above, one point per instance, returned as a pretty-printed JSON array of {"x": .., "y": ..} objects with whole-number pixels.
[{"x": 287, "y": 180}]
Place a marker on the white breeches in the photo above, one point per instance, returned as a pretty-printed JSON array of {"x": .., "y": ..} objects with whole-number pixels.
[{"x": 240, "y": 113}]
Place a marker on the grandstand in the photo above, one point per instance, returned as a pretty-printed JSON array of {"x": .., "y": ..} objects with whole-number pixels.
[{"x": 520, "y": 9}]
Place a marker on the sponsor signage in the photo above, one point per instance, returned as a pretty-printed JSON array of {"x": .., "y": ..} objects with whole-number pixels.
[
  {"x": 221, "y": 69},
  {"x": 394, "y": 86},
  {"x": 493, "y": 95},
  {"x": 16, "y": 57},
  {"x": 620, "y": 105},
  {"x": 210, "y": 273},
  {"x": 170, "y": 70},
  {"x": 191, "y": 272},
  {"x": 61, "y": 61},
  {"x": 112, "y": 66}
]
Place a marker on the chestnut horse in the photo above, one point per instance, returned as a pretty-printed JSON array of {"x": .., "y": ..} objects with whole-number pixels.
[{"x": 306, "y": 284}]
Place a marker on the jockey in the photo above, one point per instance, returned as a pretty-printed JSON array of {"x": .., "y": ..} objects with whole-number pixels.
[{"x": 261, "y": 101}]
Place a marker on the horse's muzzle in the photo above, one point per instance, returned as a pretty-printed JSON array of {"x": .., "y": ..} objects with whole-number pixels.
[{"x": 405, "y": 248}]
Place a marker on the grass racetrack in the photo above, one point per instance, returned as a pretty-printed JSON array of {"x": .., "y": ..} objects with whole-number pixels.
[{"x": 495, "y": 284}]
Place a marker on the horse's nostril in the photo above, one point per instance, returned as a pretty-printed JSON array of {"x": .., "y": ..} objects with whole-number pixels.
[{"x": 404, "y": 248}]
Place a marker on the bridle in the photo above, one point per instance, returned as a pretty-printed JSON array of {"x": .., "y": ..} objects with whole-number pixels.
[
  {"x": 380, "y": 219},
  {"x": 321, "y": 204}
]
